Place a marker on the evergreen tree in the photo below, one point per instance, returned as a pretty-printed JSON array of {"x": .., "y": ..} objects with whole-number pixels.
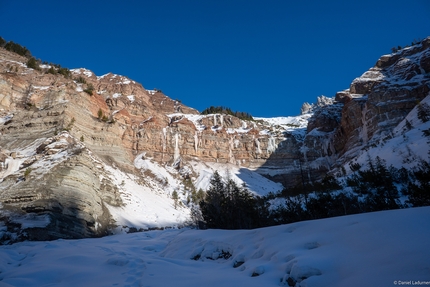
[
  {"x": 228, "y": 111},
  {"x": 16, "y": 48},
  {"x": 64, "y": 71},
  {"x": 175, "y": 198},
  {"x": 420, "y": 189},
  {"x": 229, "y": 206},
  {"x": 32, "y": 63},
  {"x": 424, "y": 112},
  {"x": 378, "y": 183}
]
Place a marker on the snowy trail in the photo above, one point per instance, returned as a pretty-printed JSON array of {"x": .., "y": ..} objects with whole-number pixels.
[{"x": 373, "y": 249}]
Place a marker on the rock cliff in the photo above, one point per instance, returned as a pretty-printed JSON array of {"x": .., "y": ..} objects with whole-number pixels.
[{"x": 65, "y": 141}]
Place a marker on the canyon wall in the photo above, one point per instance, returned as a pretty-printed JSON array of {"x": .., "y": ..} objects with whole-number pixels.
[{"x": 57, "y": 133}]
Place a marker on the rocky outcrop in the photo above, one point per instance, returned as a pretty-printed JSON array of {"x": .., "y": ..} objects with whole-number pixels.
[
  {"x": 374, "y": 104},
  {"x": 61, "y": 183}
]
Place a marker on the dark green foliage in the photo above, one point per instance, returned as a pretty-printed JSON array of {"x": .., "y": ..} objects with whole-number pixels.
[
  {"x": 33, "y": 63},
  {"x": 293, "y": 211},
  {"x": 426, "y": 132},
  {"x": 329, "y": 183},
  {"x": 328, "y": 205},
  {"x": 354, "y": 166},
  {"x": 64, "y": 71},
  {"x": 228, "y": 111},
  {"x": 175, "y": 198},
  {"x": 99, "y": 114},
  {"x": 52, "y": 70},
  {"x": 424, "y": 112},
  {"x": 322, "y": 205},
  {"x": 89, "y": 89},
  {"x": 57, "y": 69},
  {"x": 374, "y": 189},
  {"x": 229, "y": 206},
  {"x": 400, "y": 176},
  {"x": 70, "y": 125},
  {"x": 197, "y": 196},
  {"x": 416, "y": 42},
  {"x": 408, "y": 125},
  {"x": 378, "y": 184},
  {"x": 27, "y": 172},
  {"x": 17, "y": 48},
  {"x": 80, "y": 80},
  {"x": 419, "y": 190}
]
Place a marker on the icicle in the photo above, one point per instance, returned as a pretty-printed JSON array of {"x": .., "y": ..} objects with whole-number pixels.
[
  {"x": 231, "y": 145},
  {"x": 196, "y": 141},
  {"x": 304, "y": 150},
  {"x": 163, "y": 139},
  {"x": 271, "y": 145},
  {"x": 222, "y": 120},
  {"x": 177, "y": 153},
  {"x": 214, "y": 119},
  {"x": 257, "y": 143}
]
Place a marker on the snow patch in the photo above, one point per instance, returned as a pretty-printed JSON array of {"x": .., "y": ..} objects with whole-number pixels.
[
  {"x": 6, "y": 118},
  {"x": 82, "y": 71},
  {"x": 131, "y": 98}
]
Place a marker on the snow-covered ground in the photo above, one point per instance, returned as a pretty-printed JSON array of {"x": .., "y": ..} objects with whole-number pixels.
[
  {"x": 295, "y": 125},
  {"x": 386, "y": 248},
  {"x": 300, "y": 121},
  {"x": 149, "y": 204},
  {"x": 253, "y": 181}
]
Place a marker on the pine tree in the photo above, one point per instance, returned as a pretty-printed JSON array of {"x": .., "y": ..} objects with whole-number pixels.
[
  {"x": 408, "y": 125},
  {"x": 424, "y": 112},
  {"x": 420, "y": 189},
  {"x": 229, "y": 206},
  {"x": 32, "y": 63},
  {"x": 175, "y": 198}
]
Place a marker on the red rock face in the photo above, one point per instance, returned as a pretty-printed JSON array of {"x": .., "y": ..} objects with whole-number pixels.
[
  {"x": 134, "y": 120},
  {"x": 377, "y": 101},
  {"x": 115, "y": 119}
]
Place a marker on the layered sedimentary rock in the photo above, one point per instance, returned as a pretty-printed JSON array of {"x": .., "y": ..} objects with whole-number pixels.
[
  {"x": 57, "y": 133},
  {"x": 370, "y": 109}
]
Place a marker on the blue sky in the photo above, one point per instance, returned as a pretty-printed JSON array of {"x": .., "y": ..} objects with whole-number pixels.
[{"x": 262, "y": 57}]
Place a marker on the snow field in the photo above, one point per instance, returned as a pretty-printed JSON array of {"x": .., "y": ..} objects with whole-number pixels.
[
  {"x": 372, "y": 249},
  {"x": 146, "y": 205}
]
